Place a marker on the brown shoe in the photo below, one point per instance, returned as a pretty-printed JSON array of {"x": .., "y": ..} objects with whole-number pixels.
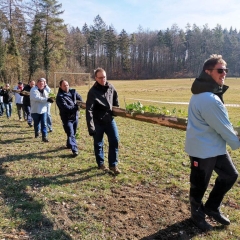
[
  {"x": 116, "y": 170},
  {"x": 104, "y": 168}
]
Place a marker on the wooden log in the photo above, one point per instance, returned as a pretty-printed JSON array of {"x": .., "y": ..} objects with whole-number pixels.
[{"x": 167, "y": 121}]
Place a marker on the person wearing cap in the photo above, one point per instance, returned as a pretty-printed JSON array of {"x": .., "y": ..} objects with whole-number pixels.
[
  {"x": 19, "y": 101},
  {"x": 39, "y": 100},
  {"x": 67, "y": 103},
  {"x": 7, "y": 99},
  {"x": 208, "y": 132}
]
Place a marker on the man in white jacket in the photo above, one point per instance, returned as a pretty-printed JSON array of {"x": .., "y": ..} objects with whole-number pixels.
[{"x": 39, "y": 101}]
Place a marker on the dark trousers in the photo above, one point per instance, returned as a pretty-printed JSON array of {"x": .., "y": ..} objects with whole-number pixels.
[
  {"x": 111, "y": 130},
  {"x": 201, "y": 171},
  {"x": 20, "y": 110},
  {"x": 70, "y": 128}
]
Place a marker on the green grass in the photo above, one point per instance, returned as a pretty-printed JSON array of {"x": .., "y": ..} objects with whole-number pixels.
[{"x": 47, "y": 194}]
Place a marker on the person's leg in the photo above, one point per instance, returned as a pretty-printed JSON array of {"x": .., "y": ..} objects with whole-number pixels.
[
  {"x": 111, "y": 131},
  {"x": 98, "y": 144},
  {"x": 49, "y": 117},
  {"x": 28, "y": 114},
  {"x": 19, "y": 112},
  {"x": 1, "y": 109},
  {"x": 2, "y": 106},
  {"x": 36, "y": 121},
  {"x": 43, "y": 118},
  {"x": 71, "y": 131},
  {"x": 6, "y": 105},
  {"x": 227, "y": 176},
  {"x": 201, "y": 171},
  {"x": 10, "y": 109}
]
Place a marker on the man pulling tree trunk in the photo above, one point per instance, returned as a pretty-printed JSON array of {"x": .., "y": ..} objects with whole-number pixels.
[{"x": 208, "y": 132}]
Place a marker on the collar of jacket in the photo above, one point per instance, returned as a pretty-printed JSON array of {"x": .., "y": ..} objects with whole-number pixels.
[
  {"x": 105, "y": 87},
  {"x": 63, "y": 92},
  {"x": 205, "y": 83}
]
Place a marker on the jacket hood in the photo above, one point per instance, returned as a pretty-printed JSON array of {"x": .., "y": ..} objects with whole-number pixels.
[{"x": 205, "y": 83}]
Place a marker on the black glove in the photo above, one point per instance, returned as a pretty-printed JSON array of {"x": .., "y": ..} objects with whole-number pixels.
[
  {"x": 92, "y": 133},
  {"x": 50, "y": 100}
]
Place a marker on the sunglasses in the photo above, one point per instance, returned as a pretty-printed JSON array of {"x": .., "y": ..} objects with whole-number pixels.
[{"x": 220, "y": 70}]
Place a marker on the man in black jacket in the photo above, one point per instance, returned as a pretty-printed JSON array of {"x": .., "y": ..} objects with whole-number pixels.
[
  {"x": 26, "y": 102},
  {"x": 67, "y": 103},
  {"x": 99, "y": 115},
  {"x": 7, "y": 99}
]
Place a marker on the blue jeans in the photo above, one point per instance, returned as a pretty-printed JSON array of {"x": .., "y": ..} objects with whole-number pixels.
[
  {"x": 70, "y": 128},
  {"x": 49, "y": 117},
  {"x": 40, "y": 119},
  {"x": 111, "y": 130},
  {"x": 27, "y": 110},
  {"x": 1, "y": 108},
  {"x": 8, "y": 107}
]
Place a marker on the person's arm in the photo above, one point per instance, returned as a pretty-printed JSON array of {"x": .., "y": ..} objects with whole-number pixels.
[
  {"x": 35, "y": 95},
  {"x": 216, "y": 116},
  {"x": 79, "y": 97},
  {"x": 115, "y": 99},
  {"x": 66, "y": 106},
  {"x": 47, "y": 88},
  {"x": 89, "y": 113}
]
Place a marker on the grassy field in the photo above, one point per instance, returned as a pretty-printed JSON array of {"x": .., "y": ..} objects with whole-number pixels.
[{"x": 47, "y": 194}]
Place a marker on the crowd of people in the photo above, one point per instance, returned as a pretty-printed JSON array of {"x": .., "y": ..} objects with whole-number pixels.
[
  {"x": 208, "y": 131},
  {"x": 35, "y": 108}
]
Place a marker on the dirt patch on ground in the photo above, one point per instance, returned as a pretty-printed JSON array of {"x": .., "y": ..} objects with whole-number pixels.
[{"x": 143, "y": 212}]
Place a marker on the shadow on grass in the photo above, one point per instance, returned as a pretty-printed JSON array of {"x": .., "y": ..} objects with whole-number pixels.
[
  {"x": 22, "y": 206},
  {"x": 184, "y": 230}
]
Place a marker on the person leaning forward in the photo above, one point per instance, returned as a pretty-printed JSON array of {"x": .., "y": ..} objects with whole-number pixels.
[
  {"x": 67, "y": 103},
  {"x": 208, "y": 132},
  {"x": 99, "y": 116}
]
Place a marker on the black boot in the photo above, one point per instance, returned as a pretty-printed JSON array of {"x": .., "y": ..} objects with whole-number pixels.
[
  {"x": 44, "y": 139},
  {"x": 198, "y": 216},
  {"x": 217, "y": 216}
]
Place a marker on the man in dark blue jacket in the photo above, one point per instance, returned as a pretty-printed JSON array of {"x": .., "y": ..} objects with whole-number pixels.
[{"x": 67, "y": 103}]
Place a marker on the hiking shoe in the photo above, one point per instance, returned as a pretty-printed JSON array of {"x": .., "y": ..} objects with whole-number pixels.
[
  {"x": 218, "y": 216},
  {"x": 104, "y": 168},
  {"x": 115, "y": 170},
  {"x": 75, "y": 154},
  {"x": 44, "y": 139},
  {"x": 202, "y": 224}
]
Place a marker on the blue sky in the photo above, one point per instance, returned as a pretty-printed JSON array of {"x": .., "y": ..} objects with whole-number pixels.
[{"x": 152, "y": 14}]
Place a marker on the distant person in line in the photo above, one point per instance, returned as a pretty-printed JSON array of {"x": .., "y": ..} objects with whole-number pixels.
[
  {"x": 99, "y": 116},
  {"x": 26, "y": 102},
  {"x": 1, "y": 103},
  {"x": 7, "y": 99},
  {"x": 39, "y": 100},
  {"x": 19, "y": 101},
  {"x": 208, "y": 132},
  {"x": 49, "y": 116},
  {"x": 67, "y": 103}
]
